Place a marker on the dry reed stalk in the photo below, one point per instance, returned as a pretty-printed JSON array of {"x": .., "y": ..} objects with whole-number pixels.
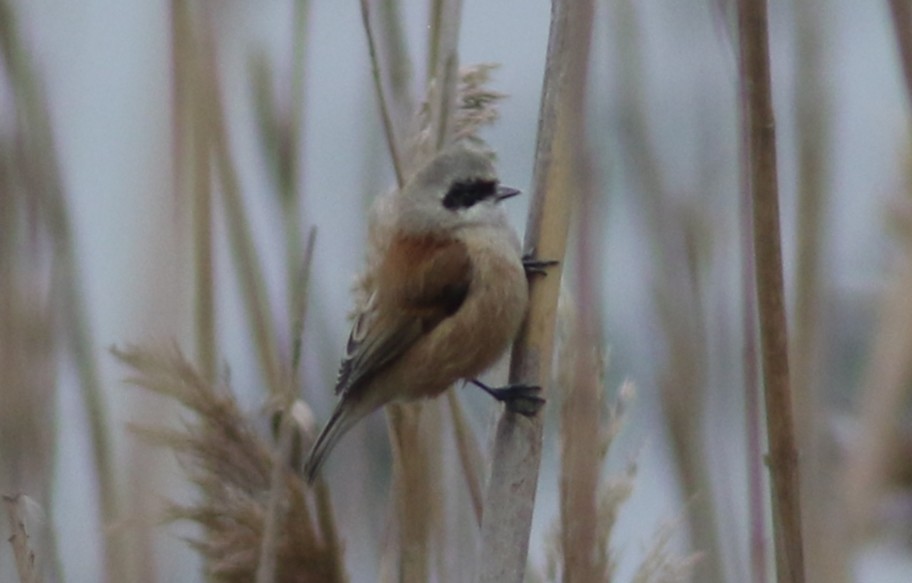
[
  {"x": 683, "y": 395},
  {"x": 417, "y": 486},
  {"x": 510, "y": 496},
  {"x": 41, "y": 173},
  {"x": 584, "y": 544},
  {"x": 584, "y": 531},
  {"x": 392, "y": 140},
  {"x": 397, "y": 63},
  {"x": 268, "y": 556},
  {"x": 444, "y": 51},
  {"x": 470, "y": 456},
  {"x": 589, "y": 504},
  {"x": 435, "y": 30},
  {"x": 783, "y": 461},
  {"x": 23, "y": 553},
  {"x": 231, "y": 465}
]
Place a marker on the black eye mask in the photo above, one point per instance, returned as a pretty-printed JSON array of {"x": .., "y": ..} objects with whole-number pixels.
[{"x": 463, "y": 195}]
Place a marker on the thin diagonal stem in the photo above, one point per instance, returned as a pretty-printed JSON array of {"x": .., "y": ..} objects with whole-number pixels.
[{"x": 390, "y": 131}]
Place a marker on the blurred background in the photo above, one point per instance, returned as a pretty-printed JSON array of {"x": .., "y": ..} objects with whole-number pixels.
[{"x": 99, "y": 236}]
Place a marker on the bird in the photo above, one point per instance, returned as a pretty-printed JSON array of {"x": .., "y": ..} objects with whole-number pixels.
[{"x": 443, "y": 296}]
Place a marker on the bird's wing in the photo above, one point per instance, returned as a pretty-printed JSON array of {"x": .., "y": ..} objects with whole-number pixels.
[{"x": 411, "y": 298}]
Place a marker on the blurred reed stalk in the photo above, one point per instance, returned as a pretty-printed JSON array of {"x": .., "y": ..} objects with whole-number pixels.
[
  {"x": 675, "y": 239},
  {"x": 827, "y": 554},
  {"x": 516, "y": 455},
  {"x": 783, "y": 461},
  {"x": 190, "y": 167},
  {"x": 192, "y": 171},
  {"x": 590, "y": 503},
  {"x": 42, "y": 179},
  {"x": 292, "y": 156},
  {"x": 884, "y": 391},
  {"x": 884, "y": 387},
  {"x": 245, "y": 258},
  {"x": 753, "y": 412},
  {"x": 584, "y": 532},
  {"x": 207, "y": 347},
  {"x": 879, "y": 458},
  {"x": 29, "y": 330},
  {"x": 901, "y": 13}
]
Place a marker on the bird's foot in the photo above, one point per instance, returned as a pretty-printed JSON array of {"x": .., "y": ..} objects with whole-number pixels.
[
  {"x": 519, "y": 398},
  {"x": 537, "y": 266}
]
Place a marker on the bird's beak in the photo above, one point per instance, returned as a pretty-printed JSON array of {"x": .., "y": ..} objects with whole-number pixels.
[{"x": 505, "y": 192}]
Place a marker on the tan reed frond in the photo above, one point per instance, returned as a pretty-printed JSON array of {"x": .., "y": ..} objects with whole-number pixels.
[
  {"x": 229, "y": 462},
  {"x": 478, "y": 103},
  {"x": 581, "y": 548},
  {"x": 476, "y": 108},
  {"x": 609, "y": 495},
  {"x": 660, "y": 565}
]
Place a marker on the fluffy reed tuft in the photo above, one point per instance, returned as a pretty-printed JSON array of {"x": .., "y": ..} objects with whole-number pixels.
[
  {"x": 660, "y": 565},
  {"x": 230, "y": 464},
  {"x": 580, "y": 544}
]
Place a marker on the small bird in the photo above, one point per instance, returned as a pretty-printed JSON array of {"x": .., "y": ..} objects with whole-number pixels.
[{"x": 444, "y": 294}]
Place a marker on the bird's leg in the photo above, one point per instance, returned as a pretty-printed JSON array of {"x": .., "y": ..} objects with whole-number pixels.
[
  {"x": 519, "y": 398},
  {"x": 537, "y": 266}
]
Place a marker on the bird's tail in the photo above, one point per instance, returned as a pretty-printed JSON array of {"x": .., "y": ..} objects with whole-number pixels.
[{"x": 346, "y": 414}]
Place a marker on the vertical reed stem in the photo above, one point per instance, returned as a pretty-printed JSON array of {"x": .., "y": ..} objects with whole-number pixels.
[
  {"x": 510, "y": 495},
  {"x": 783, "y": 461}
]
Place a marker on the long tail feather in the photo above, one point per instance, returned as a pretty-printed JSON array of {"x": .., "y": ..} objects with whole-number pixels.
[{"x": 345, "y": 415}]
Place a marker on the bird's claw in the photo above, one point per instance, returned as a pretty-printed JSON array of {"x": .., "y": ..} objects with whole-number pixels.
[
  {"x": 519, "y": 398},
  {"x": 537, "y": 266}
]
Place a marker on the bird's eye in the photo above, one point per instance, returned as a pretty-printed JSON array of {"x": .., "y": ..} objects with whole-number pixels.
[{"x": 464, "y": 194}]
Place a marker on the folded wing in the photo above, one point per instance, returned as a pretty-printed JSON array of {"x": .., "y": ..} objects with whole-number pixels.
[{"x": 421, "y": 283}]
